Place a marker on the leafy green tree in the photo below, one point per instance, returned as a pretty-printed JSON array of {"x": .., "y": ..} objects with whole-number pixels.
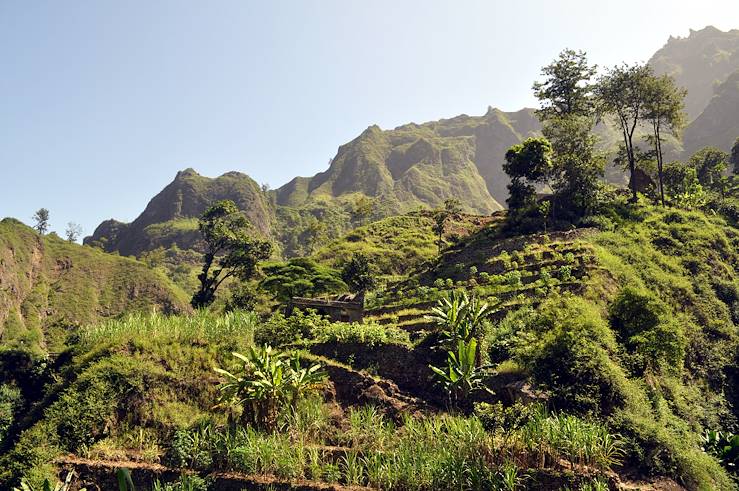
[
  {"x": 734, "y": 159},
  {"x": 682, "y": 186},
  {"x": 567, "y": 116},
  {"x": 41, "y": 217},
  {"x": 709, "y": 163},
  {"x": 623, "y": 94},
  {"x": 566, "y": 90},
  {"x": 359, "y": 273},
  {"x": 664, "y": 110},
  {"x": 578, "y": 166},
  {"x": 527, "y": 164},
  {"x": 441, "y": 215},
  {"x": 230, "y": 249},
  {"x": 300, "y": 277}
]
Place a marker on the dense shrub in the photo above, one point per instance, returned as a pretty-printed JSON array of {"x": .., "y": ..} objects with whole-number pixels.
[{"x": 640, "y": 320}]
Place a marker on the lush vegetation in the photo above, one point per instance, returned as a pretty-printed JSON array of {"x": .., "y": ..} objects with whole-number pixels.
[{"x": 583, "y": 338}]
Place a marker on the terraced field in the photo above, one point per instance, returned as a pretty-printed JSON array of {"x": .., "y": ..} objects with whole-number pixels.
[{"x": 508, "y": 273}]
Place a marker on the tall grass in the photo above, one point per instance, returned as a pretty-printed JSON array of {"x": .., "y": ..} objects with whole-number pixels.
[
  {"x": 550, "y": 438},
  {"x": 200, "y": 326},
  {"x": 436, "y": 452}
]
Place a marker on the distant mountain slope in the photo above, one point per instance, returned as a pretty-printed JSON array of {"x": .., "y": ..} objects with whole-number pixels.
[
  {"x": 422, "y": 164},
  {"x": 718, "y": 124},
  {"x": 699, "y": 62},
  {"x": 399, "y": 170},
  {"x": 48, "y": 285},
  {"x": 167, "y": 218}
]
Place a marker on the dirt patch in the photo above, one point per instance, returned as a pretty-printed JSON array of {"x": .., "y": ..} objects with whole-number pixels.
[{"x": 100, "y": 475}]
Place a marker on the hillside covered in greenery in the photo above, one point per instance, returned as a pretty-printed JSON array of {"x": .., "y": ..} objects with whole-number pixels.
[
  {"x": 625, "y": 332},
  {"x": 49, "y": 287},
  {"x": 386, "y": 324}
]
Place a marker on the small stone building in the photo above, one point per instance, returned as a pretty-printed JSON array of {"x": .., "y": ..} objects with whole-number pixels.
[{"x": 345, "y": 308}]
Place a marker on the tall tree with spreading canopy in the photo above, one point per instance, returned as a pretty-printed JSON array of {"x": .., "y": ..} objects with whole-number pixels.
[
  {"x": 622, "y": 94},
  {"x": 300, "y": 277},
  {"x": 566, "y": 90},
  {"x": 230, "y": 249},
  {"x": 664, "y": 110},
  {"x": 568, "y": 117},
  {"x": 41, "y": 217}
]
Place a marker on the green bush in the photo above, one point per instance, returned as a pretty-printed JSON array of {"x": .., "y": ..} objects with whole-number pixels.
[
  {"x": 640, "y": 320},
  {"x": 11, "y": 401},
  {"x": 371, "y": 334}
]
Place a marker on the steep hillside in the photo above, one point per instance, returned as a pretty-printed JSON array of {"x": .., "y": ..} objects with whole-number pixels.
[
  {"x": 718, "y": 124},
  {"x": 627, "y": 334},
  {"x": 167, "y": 219},
  {"x": 397, "y": 245},
  {"x": 423, "y": 164},
  {"x": 48, "y": 285},
  {"x": 699, "y": 63},
  {"x": 420, "y": 165}
]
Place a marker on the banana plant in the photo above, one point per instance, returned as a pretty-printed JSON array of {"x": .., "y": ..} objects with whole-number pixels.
[
  {"x": 723, "y": 446},
  {"x": 303, "y": 379},
  {"x": 461, "y": 376},
  {"x": 460, "y": 316},
  {"x": 268, "y": 380}
]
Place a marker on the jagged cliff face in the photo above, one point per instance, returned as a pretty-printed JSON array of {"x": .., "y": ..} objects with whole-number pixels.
[
  {"x": 423, "y": 164},
  {"x": 169, "y": 217},
  {"x": 699, "y": 63},
  {"x": 718, "y": 124}
]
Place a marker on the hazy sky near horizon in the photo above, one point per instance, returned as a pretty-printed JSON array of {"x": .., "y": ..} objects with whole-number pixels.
[{"x": 104, "y": 101}]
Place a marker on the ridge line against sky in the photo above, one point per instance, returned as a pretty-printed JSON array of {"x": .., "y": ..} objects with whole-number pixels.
[{"x": 105, "y": 101}]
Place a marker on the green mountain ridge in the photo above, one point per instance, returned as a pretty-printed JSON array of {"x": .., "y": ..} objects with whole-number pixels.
[
  {"x": 421, "y": 165},
  {"x": 165, "y": 221},
  {"x": 718, "y": 124},
  {"x": 699, "y": 62}
]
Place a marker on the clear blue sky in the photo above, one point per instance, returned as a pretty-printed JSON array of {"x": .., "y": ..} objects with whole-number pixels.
[{"x": 102, "y": 102}]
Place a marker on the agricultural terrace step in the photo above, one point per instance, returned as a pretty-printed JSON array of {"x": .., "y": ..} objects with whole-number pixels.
[
  {"x": 384, "y": 312},
  {"x": 496, "y": 265},
  {"x": 402, "y": 365},
  {"x": 552, "y": 240},
  {"x": 101, "y": 474},
  {"x": 417, "y": 322},
  {"x": 353, "y": 387}
]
